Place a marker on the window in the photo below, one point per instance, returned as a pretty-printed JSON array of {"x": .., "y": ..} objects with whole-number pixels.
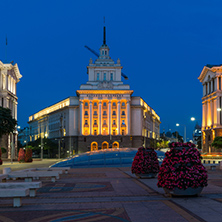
[
  {"x": 104, "y": 104},
  {"x": 95, "y": 132},
  {"x": 114, "y": 132},
  {"x": 104, "y": 76},
  {"x": 114, "y": 122},
  {"x": 95, "y": 104},
  {"x": 123, "y": 132},
  {"x": 114, "y": 104},
  {"x": 123, "y": 104},
  {"x": 104, "y": 122},
  {"x": 95, "y": 112},
  {"x": 111, "y": 76},
  {"x": 86, "y": 104},
  {"x": 86, "y": 112},
  {"x": 123, "y": 122},
  {"x": 97, "y": 77},
  {"x": 102, "y": 52},
  {"x": 114, "y": 112},
  {"x": 104, "y": 112},
  {"x": 123, "y": 113},
  {"x": 95, "y": 122},
  {"x": 86, "y": 122}
]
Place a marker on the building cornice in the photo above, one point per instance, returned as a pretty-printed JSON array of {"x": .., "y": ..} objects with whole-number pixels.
[
  {"x": 203, "y": 73},
  {"x": 88, "y": 91}
]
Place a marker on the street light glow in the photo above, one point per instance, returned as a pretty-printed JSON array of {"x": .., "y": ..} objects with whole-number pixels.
[
  {"x": 218, "y": 109},
  {"x": 192, "y": 118},
  {"x": 177, "y": 124}
]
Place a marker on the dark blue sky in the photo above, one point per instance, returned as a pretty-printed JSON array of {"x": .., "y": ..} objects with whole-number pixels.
[{"x": 162, "y": 45}]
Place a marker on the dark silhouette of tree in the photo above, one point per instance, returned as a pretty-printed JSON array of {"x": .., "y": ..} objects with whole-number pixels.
[
  {"x": 217, "y": 143},
  {"x": 7, "y": 122}
]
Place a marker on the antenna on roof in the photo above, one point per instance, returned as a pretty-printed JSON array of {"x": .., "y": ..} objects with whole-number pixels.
[{"x": 104, "y": 33}]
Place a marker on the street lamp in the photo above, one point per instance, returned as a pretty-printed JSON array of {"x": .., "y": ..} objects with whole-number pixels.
[{"x": 177, "y": 124}]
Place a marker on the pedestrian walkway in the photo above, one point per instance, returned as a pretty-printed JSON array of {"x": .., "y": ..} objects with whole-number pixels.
[{"x": 112, "y": 194}]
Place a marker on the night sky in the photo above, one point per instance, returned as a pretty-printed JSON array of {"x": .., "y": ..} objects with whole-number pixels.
[{"x": 162, "y": 45}]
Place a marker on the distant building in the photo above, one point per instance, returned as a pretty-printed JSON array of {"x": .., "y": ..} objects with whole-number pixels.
[
  {"x": 197, "y": 134},
  {"x": 211, "y": 77},
  {"x": 9, "y": 77},
  {"x": 103, "y": 114},
  {"x": 23, "y": 136}
]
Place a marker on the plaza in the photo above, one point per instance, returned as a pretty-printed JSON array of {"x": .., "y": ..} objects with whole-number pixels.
[{"x": 110, "y": 194}]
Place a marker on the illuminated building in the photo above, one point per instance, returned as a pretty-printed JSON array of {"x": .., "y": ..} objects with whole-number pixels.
[
  {"x": 9, "y": 77},
  {"x": 103, "y": 114},
  {"x": 211, "y": 77}
]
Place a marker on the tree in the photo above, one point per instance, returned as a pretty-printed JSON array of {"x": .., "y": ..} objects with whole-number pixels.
[
  {"x": 217, "y": 143},
  {"x": 7, "y": 122}
]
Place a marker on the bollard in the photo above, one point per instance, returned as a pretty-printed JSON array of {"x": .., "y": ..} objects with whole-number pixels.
[
  {"x": 220, "y": 165},
  {"x": 6, "y": 170}
]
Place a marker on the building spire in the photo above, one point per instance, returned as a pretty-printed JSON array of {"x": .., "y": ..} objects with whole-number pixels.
[{"x": 104, "y": 33}]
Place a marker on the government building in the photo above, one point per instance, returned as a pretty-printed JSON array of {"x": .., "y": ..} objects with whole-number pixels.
[
  {"x": 9, "y": 77},
  {"x": 102, "y": 115},
  {"x": 211, "y": 79}
]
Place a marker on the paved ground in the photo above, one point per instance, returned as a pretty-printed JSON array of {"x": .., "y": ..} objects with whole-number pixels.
[{"x": 111, "y": 194}]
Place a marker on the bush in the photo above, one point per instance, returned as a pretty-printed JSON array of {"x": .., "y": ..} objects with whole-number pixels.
[
  {"x": 21, "y": 155},
  {"x": 3, "y": 150},
  {"x": 182, "y": 168},
  {"x": 145, "y": 161},
  {"x": 28, "y": 155}
]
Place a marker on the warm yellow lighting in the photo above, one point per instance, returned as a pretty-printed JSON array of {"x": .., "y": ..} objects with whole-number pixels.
[
  {"x": 192, "y": 118},
  {"x": 177, "y": 124},
  {"x": 218, "y": 109},
  {"x": 46, "y": 135}
]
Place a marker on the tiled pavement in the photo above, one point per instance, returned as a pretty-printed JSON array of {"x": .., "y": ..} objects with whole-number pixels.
[{"x": 113, "y": 194}]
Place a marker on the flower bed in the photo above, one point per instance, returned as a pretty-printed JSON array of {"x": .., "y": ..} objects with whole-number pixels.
[
  {"x": 182, "y": 168},
  {"x": 145, "y": 162}
]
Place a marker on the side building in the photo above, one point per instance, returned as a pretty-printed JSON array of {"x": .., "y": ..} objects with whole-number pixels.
[
  {"x": 211, "y": 79},
  {"x": 103, "y": 114},
  {"x": 9, "y": 77}
]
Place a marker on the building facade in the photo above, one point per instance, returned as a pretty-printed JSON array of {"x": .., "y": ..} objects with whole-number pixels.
[
  {"x": 211, "y": 79},
  {"x": 9, "y": 77},
  {"x": 103, "y": 114}
]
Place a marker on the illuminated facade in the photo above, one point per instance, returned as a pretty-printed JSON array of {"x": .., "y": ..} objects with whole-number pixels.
[
  {"x": 103, "y": 114},
  {"x": 211, "y": 79},
  {"x": 9, "y": 77}
]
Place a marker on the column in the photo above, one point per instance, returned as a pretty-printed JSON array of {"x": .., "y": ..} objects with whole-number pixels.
[
  {"x": 100, "y": 118},
  {"x": 118, "y": 117},
  {"x": 217, "y": 83},
  {"x": 212, "y": 111},
  {"x": 80, "y": 118},
  {"x": 212, "y": 89},
  {"x": 215, "y": 111},
  {"x": 218, "y": 112},
  {"x": 109, "y": 118},
  {"x": 204, "y": 90},
  {"x": 128, "y": 118},
  {"x": 90, "y": 118}
]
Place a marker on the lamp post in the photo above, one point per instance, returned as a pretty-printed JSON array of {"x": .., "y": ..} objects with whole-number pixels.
[{"x": 185, "y": 140}]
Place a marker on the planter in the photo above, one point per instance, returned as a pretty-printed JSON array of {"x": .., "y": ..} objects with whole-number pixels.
[
  {"x": 187, "y": 192},
  {"x": 146, "y": 175}
]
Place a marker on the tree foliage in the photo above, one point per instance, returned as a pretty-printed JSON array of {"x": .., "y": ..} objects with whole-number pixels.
[
  {"x": 217, "y": 143},
  {"x": 7, "y": 122}
]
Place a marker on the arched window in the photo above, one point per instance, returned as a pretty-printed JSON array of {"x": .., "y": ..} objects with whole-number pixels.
[
  {"x": 114, "y": 104},
  {"x": 86, "y": 104},
  {"x": 95, "y": 104},
  {"x": 104, "y": 104},
  {"x": 123, "y": 104}
]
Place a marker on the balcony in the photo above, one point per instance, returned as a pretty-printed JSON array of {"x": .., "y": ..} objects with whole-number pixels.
[
  {"x": 95, "y": 107},
  {"x": 86, "y": 107},
  {"x": 104, "y": 107},
  {"x": 86, "y": 116},
  {"x": 95, "y": 115},
  {"x": 113, "y": 107},
  {"x": 114, "y": 116},
  {"x": 104, "y": 116},
  {"x": 123, "y": 107},
  {"x": 123, "y": 116}
]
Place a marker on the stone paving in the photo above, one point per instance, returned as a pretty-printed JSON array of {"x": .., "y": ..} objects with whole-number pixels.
[{"x": 112, "y": 194}]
